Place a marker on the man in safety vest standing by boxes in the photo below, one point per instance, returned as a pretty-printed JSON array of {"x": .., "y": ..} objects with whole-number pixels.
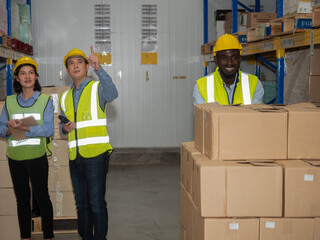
[
  {"x": 84, "y": 104},
  {"x": 228, "y": 85}
]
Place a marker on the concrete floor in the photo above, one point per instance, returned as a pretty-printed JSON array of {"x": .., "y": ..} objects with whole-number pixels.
[{"x": 143, "y": 202}]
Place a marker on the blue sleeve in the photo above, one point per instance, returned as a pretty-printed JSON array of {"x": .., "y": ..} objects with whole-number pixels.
[
  {"x": 107, "y": 90},
  {"x": 3, "y": 123},
  {"x": 258, "y": 94},
  {"x": 47, "y": 129},
  {"x": 198, "y": 99}
]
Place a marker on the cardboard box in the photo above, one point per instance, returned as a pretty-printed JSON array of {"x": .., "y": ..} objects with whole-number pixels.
[
  {"x": 186, "y": 213},
  {"x": 303, "y": 132},
  {"x": 9, "y": 227},
  {"x": 199, "y": 124},
  {"x": 314, "y": 62},
  {"x": 301, "y": 188},
  {"x": 287, "y": 229},
  {"x": 237, "y": 189},
  {"x": 60, "y": 153},
  {"x": 59, "y": 179},
  {"x": 3, "y": 150},
  {"x": 314, "y": 88},
  {"x": 256, "y": 18},
  {"x": 8, "y": 203},
  {"x": 317, "y": 229},
  {"x": 63, "y": 203},
  {"x": 226, "y": 228},
  {"x": 5, "y": 177},
  {"x": 245, "y": 132},
  {"x": 186, "y": 164}
]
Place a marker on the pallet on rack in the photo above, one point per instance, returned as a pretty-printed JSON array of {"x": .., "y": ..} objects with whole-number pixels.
[
  {"x": 60, "y": 225},
  {"x": 5, "y": 41},
  {"x": 316, "y": 15}
]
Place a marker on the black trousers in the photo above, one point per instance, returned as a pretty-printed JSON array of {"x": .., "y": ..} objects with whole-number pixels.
[{"x": 35, "y": 170}]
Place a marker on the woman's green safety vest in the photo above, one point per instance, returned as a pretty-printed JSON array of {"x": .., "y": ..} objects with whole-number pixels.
[
  {"x": 29, "y": 148},
  {"x": 90, "y": 138},
  {"x": 212, "y": 89}
]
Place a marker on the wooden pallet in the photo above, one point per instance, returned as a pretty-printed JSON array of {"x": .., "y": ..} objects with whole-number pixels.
[{"x": 60, "y": 225}]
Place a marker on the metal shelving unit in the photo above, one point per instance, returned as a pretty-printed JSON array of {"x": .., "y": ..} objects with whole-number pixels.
[{"x": 7, "y": 53}]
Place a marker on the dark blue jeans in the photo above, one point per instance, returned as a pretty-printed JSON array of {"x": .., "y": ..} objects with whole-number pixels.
[{"x": 89, "y": 184}]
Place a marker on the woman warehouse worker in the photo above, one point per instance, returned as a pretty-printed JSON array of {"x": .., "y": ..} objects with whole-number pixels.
[{"x": 27, "y": 157}]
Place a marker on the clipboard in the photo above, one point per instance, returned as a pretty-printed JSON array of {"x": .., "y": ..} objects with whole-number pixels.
[{"x": 20, "y": 134}]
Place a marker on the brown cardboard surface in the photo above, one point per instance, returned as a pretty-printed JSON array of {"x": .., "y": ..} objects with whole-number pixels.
[
  {"x": 5, "y": 177},
  {"x": 63, "y": 203},
  {"x": 186, "y": 213},
  {"x": 199, "y": 124},
  {"x": 59, "y": 178},
  {"x": 9, "y": 228},
  {"x": 186, "y": 164},
  {"x": 8, "y": 203},
  {"x": 241, "y": 133},
  {"x": 314, "y": 88},
  {"x": 3, "y": 150},
  {"x": 226, "y": 228},
  {"x": 301, "y": 188},
  {"x": 303, "y": 133},
  {"x": 60, "y": 154},
  {"x": 316, "y": 229},
  {"x": 287, "y": 229},
  {"x": 234, "y": 189},
  {"x": 256, "y": 18},
  {"x": 314, "y": 62}
]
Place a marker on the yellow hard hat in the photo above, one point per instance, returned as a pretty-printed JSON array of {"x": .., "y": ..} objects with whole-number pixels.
[
  {"x": 25, "y": 60},
  {"x": 74, "y": 53},
  {"x": 226, "y": 42}
]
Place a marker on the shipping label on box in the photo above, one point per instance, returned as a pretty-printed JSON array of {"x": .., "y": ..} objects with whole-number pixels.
[
  {"x": 186, "y": 164},
  {"x": 245, "y": 132},
  {"x": 287, "y": 228},
  {"x": 301, "y": 188},
  {"x": 237, "y": 189}
]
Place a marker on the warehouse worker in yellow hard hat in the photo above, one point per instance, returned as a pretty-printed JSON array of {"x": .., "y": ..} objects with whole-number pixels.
[
  {"x": 228, "y": 85},
  {"x": 27, "y": 154},
  {"x": 84, "y": 105}
]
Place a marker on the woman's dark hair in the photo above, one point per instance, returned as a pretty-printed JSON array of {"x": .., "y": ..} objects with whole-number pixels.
[{"x": 17, "y": 86}]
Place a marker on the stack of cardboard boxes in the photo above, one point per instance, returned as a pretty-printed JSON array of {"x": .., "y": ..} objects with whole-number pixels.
[
  {"x": 250, "y": 173},
  {"x": 8, "y": 206},
  {"x": 59, "y": 182}
]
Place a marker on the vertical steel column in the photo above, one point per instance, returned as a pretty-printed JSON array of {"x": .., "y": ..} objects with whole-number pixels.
[
  {"x": 205, "y": 31},
  {"x": 279, "y": 8},
  {"x": 234, "y": 16},
  {"x": 9, "y": 60},
  {"x": 29, "y": 3},
  {"x": 257, "y": 6},
  {"x": 280, "y": 75}
]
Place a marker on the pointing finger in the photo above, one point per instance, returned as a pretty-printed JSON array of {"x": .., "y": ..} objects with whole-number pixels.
[{"x": 92, "y": 52}]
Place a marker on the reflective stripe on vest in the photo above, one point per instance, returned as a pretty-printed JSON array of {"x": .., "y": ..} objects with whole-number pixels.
[
  {"x": 244, "y": 84},
  {"x": 210, "y": 88},
  {"x": 36, "y": 116},
  {"x": 88, "y": 141},
  {"x": 63, "y": 100},
  {"x": 24, "y": 142},
  {"x": 245, "y": 89}
]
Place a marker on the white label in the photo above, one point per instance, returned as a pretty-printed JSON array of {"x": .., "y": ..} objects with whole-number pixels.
[
  {"x": 234, "y": 226},
  {"x": 270, "y": 224},
  {"x": 308, "y": 177},
  {"x": 287, "y": 43}
]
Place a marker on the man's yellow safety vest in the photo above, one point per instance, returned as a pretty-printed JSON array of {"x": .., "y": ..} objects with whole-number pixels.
[
  {"x": 90, "y": 138},
  {"x": 212, "y": 89}
]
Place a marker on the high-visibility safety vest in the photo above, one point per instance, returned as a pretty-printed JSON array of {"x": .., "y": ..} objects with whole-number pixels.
[
  {"x": 212, "y": 89},
  {"x": 90, "y": 138},
  {"x": 29, "y": 148}
]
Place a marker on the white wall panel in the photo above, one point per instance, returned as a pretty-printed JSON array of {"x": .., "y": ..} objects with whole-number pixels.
[{"x": 154, "y": 113}]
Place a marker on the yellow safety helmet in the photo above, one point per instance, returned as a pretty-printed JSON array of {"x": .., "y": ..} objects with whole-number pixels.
[
  {"x": 25, "y": 60},
  {"x": 74, "y": 53},
  {"x": 226, "y": 42}
]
